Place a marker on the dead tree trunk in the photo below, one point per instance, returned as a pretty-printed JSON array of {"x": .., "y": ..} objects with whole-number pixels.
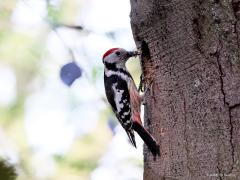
[{"x": 190, "y": 49}]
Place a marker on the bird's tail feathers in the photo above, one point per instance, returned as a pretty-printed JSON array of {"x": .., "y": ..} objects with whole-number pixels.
[
  {"x": 147, "y": 138},
  {"x": 131, "y": 136}
]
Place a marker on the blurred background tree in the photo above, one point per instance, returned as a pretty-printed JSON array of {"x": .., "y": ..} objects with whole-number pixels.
[{"x": 48, "y": 130}]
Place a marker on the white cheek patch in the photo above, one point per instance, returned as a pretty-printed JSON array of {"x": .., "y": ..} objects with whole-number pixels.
[{"x": 118, "y": 97}]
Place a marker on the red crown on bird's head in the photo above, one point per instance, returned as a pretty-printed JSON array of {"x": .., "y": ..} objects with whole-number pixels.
[{"x": 109, "y": 52}]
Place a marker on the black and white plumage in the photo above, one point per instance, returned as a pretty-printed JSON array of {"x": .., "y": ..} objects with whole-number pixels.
[
  {"x": 123, "y": 96},
  {"x": 118, "y": 96}
]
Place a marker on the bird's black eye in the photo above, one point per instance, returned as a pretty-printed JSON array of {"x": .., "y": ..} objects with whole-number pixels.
[{"x": 117, "y": 53}]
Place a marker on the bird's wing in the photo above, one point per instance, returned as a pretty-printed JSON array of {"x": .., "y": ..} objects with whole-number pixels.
[{"x": 118, "y": 96}]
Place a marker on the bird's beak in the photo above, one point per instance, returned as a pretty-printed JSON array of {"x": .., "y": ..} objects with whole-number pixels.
[{"x": 133, "y": 53}]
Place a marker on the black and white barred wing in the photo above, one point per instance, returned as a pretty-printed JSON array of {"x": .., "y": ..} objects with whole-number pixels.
[{"x": 119, "y": 98}]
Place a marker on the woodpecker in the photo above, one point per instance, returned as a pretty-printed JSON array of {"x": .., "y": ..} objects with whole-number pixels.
[{"x": 123, "y": 96}]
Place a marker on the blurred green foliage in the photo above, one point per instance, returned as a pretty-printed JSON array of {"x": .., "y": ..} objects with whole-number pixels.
[
  {"x": 23, "y": 53},
  {"x": 7, "y": 171}
]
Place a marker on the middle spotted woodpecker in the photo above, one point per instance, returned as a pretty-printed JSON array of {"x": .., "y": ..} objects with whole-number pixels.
[{"x": 123, "y": 96}]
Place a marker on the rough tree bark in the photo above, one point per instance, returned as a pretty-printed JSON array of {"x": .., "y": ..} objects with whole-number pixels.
[{"x": 190, "y": 49}]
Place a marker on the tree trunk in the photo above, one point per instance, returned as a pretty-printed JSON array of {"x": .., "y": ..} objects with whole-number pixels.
[{"x": 190, "y": 50}]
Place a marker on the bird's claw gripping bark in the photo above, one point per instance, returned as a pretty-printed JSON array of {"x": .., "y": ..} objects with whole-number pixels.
[
  {"x": 141, "y": 84},
  {"x": 143, "y": 87},
  {"x": 148, "y": 88}
]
